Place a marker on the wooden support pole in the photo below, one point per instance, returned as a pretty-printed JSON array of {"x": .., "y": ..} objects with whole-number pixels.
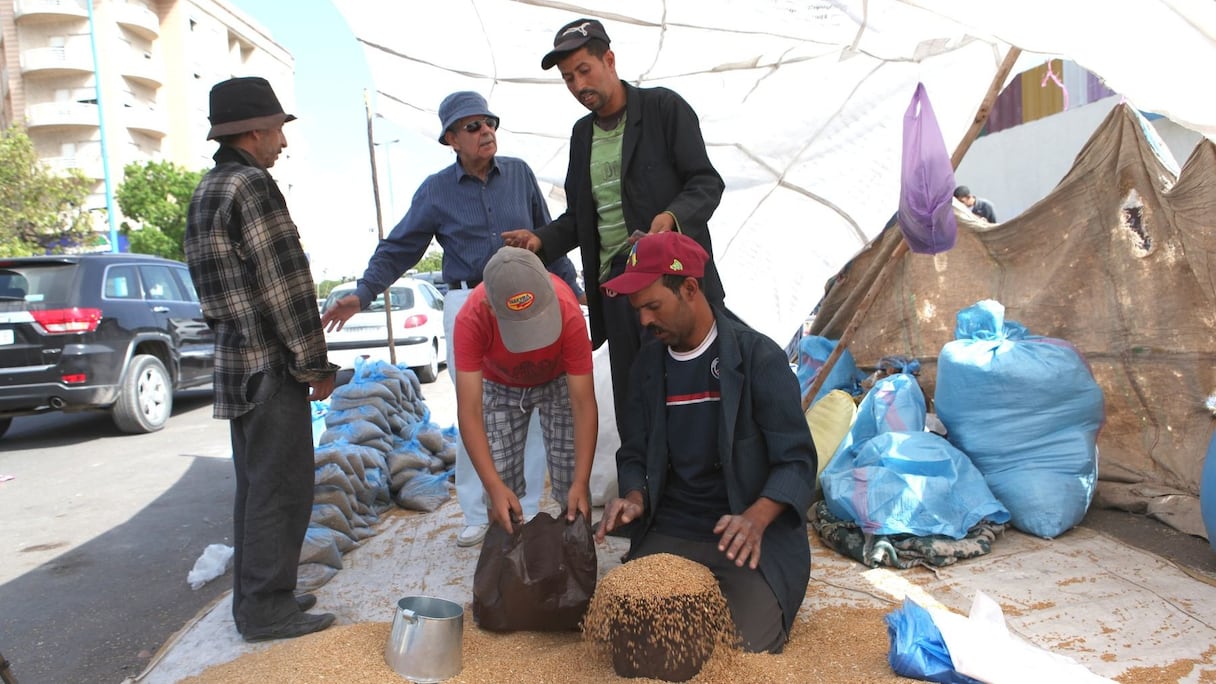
[{"x": 846, "y": 337}]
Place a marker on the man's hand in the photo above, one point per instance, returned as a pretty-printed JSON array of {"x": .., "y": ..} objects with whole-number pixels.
[
  {"x": 504, "y": 506},
  {"x": 319, "y": 390},
  {"x": 662, "y": 223},
  {"x": 620, "y": 512},
  {"x": 522, "y": 238},
  {"x": 740, "y": 540},
  {"x": 336, "y": 316},
  {"x": 578, "y": 501}
]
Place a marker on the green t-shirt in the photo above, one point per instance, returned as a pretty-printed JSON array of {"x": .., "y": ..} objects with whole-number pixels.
[{"x": 606, "y": 189}]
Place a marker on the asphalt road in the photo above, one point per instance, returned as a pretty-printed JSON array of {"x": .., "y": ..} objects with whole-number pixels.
[{"x": 98, "y": 530}]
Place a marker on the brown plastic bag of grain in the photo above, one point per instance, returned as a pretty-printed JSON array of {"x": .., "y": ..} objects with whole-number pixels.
[{"x": 541, "y": 577}]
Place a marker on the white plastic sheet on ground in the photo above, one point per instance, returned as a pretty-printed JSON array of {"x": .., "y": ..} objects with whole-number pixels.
[{"x": 801, "y": 101}]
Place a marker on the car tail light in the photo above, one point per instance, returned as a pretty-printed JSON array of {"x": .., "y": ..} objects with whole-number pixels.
[
  {"x": 415, "y": 321},
  {"x": 75, "y": 378},
  {"x": 67, "y": 321}
]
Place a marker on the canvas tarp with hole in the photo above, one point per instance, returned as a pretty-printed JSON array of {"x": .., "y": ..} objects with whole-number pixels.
[{"x": 1117, "y": 260}]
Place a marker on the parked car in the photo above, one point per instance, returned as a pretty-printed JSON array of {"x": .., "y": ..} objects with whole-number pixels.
[
  {"x": 435, "y": 278},
  {"x": 417, "y": 320},
  {"x": 111, "y": 332}
]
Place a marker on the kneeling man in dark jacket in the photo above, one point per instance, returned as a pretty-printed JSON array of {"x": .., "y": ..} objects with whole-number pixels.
[{"x": 716, "y": 463}]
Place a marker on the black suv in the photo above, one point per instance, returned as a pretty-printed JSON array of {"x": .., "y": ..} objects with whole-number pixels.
[{"x": 114, "y": 332}]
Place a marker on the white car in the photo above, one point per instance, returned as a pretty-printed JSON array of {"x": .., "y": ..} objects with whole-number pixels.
[{"x": 417, "y": 320}]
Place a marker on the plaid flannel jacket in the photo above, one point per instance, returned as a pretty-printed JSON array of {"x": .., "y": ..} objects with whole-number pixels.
[{"x": 253, "y": 281}]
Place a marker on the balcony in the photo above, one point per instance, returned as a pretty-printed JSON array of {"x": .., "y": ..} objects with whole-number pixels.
[
  {"x": 60, "y": 114},
  {"x": 138, "y": 18},
  {"x": 56, "y": 61},
  {"x": 149, "y": 121},
  {"x": 49, "y": 10},
  {"x": 90, "y": 165},
  {"x": 145, "y": 70}
]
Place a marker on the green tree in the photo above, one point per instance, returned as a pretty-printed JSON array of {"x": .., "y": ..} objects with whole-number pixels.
[
  {"x": 157, "y": 195},
  {"x": 40, "y": 211},
  {"x": 432, "y": 261}
]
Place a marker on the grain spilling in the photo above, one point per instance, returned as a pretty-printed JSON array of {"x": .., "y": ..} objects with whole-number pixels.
[{"x": 659, "y": 616}]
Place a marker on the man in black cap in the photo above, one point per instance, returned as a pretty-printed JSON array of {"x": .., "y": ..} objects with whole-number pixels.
[
  {"x": 637, "y": 163},
  {"x": 258, "y": 295}
]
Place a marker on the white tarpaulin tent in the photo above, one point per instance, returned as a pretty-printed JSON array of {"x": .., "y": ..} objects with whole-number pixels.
[{"x": 801, "y": 101}]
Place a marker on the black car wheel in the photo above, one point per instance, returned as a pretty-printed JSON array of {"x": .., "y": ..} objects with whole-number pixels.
[
  {"x": 430, "y": 372},
  {"x": 4, "y": 423},
  {"x": 147, "y": 396}
]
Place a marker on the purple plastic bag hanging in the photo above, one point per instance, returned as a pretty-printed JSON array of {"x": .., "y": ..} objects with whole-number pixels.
[{"x": 926, "y": 184}]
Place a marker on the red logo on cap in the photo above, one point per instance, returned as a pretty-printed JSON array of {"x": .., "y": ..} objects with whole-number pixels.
[{"x": 521, "y": 301}]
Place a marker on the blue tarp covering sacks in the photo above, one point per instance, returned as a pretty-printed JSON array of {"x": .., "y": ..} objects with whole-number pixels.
[
  {"x": 891, "y": 477},
  {"x": 813, "y": 350},
  {"x": 1027, "y": 410},
  {"x": 1207, "y": 493}
]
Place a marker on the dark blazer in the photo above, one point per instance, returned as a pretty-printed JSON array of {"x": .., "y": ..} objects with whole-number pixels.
[
  {"x": 766, "y": 448},
  {"x": 664, "y": 167}
]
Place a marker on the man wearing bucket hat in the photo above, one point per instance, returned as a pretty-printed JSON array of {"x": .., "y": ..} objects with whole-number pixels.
[
  {"x": 715, "y": 461},
  {"x": 257, "y": 292},
  {"x": 466, "y": 207},
  {"x": 637, "y": 163},
  {"x": 522, "y": 347}
]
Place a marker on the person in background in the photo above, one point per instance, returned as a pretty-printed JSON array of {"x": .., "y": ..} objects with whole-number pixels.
[
  {"x": 978, "y": 205},
  {"x": 522, "y": 347},
  {"x": 637, "y": 165},
  {"x": 258, "y": 296},
  {"x": 466, "y": 207},
  {"x": 716, "y": 464}
]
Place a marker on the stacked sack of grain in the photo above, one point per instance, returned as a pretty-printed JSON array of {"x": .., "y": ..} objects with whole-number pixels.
[{"x": 379, "y": 446}]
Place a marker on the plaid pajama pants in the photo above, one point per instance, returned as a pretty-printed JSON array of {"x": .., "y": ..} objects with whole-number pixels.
[{"x": 508, "y": 410}]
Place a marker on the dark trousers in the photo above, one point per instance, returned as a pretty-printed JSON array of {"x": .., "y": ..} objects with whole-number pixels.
[
  {"x": 272, "y": 455},
  {"x": 625, "y": 336},
  {"x": 753, "y": 605}
]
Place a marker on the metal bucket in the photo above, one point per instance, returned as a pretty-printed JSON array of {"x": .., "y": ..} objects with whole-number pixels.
[{"x": 426, "y": 639}]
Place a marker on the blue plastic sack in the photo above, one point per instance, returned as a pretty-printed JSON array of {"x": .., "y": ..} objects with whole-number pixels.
[
  {"x": 891, "y": 477},
  {"x": 1207, "y": 493},
  {"x": 813, "y": 351},
  {"x": 926, "y": 181},
  {"x": 917, "y": 647},
  {"x": 1027, "y": 410}
]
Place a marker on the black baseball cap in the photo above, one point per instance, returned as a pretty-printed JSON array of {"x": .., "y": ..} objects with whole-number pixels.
[{"x": 573, "y": 36}]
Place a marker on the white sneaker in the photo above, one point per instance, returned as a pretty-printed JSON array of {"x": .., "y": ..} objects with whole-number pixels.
[{"x": 471, "y": 535}]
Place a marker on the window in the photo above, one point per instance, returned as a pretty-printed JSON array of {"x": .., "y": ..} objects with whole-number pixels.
[
  {"x": 159, "y": 284},
  {"x": 122, "y": 282}
]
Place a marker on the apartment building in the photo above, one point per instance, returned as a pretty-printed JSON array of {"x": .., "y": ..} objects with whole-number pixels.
[{"x": 127, "y": 81}]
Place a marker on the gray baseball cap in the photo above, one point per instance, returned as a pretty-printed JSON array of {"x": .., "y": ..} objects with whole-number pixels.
[{"x": 525, "y": 303}]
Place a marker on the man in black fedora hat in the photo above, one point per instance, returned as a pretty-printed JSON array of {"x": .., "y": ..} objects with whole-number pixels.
[
  {"x": 637, "y": 165},
  {"x": 258, "y": 295}
]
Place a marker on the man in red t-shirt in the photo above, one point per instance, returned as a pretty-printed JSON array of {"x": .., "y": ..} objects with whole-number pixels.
[{"x": 522, "y": 345}]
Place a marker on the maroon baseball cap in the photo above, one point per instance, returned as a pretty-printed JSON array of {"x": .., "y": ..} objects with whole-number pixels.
[{"x": 657, "y": 255}]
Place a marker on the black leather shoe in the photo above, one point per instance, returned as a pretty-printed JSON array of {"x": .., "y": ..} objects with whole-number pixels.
[
  {"x": 306, "y": 601},
  {"x": 291, "y": 627}
]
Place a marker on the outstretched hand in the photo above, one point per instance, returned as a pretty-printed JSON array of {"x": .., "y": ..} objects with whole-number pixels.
[
  {"x": 522, "y": 238},
  {"x": 336, "y": 315},
  {"x": 618, "y": 513}
]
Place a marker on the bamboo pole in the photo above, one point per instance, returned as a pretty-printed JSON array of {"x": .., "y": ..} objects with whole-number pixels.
[{"x": 846, "y": 337}]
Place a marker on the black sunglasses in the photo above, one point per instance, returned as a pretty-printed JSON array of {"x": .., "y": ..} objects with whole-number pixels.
[{"x": 490, "y": 122}]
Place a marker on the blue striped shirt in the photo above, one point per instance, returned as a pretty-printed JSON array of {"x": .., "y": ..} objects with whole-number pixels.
[{"x": 468, "y": 218}]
